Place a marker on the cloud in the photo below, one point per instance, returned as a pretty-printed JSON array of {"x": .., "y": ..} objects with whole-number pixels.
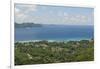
[
  {"x": 69, "y": 18},
  {"x": 22, "y": 12},
  {"x": 76, "y": 18},
  {"x": 19, "y": 15},
  {"x": 27, "y": 8},
  {"x": 41, "y": 14}
]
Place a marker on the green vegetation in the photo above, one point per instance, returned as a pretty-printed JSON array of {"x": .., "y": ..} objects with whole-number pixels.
[{"x": 42, "y": 52}]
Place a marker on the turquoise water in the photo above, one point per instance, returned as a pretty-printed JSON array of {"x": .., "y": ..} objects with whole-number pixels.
[{"x": 54, "y": 32}]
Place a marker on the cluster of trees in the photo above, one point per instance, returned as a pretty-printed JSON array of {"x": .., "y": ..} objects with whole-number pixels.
[{"x": 42, "y": 52}]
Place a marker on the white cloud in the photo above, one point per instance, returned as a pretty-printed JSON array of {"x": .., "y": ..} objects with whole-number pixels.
[
  {"x": 27, "y": 8},
  {"x": 68, "y": 18},
  {"x": 17, "y": 10},
  {"x": 65, "y": 14},
  {"x": 22, "y": 12},
  {"x": 76, "y": 19},
  {"x": 19, "y": 15}
]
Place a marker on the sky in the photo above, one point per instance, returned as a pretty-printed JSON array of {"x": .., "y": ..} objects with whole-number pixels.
[{"x": 49, "y": 14}]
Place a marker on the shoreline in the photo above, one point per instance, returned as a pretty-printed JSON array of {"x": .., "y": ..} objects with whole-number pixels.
[{"x": 52, "y": 40}]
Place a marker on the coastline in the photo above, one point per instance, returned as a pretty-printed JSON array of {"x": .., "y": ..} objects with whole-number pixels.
[{"x": 26, "y": 41}]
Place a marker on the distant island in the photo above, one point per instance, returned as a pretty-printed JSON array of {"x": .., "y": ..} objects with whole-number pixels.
[{"x": 25, "y": 25}]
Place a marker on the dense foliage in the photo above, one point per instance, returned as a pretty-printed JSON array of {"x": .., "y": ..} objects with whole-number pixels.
[{"x": 42, "y": 52}]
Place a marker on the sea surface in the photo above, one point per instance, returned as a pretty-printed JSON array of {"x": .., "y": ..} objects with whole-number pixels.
[{"x": 55, "y": 32}]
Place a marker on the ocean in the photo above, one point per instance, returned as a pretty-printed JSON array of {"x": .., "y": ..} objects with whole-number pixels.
[{"x": 55, "y": 32}]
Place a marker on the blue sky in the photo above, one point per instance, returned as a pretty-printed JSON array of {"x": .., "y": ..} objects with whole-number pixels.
[{"x": 46, "y": 14}]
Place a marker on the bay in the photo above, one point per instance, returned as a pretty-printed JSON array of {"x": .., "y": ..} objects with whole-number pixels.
[{"x": 55, "y": 32}]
